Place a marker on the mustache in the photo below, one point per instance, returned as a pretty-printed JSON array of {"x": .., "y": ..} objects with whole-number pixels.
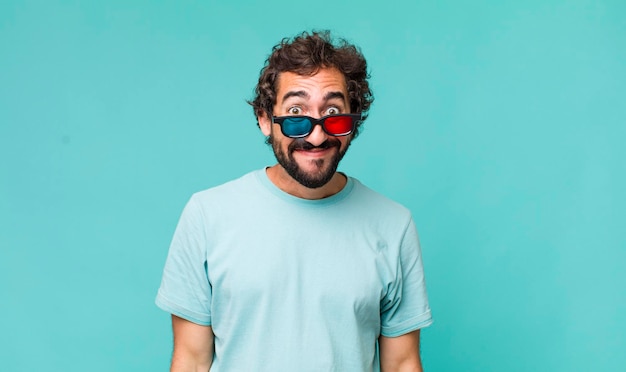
[{"x": 302, "y": 144}]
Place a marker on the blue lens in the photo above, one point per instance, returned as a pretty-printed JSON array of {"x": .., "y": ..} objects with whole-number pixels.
[{"x": 297, "y": 127}]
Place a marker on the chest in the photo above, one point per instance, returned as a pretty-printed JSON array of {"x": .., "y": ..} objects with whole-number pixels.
[{"x": 293, "y": 273}]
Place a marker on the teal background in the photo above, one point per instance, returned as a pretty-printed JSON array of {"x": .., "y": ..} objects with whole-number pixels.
[{"x": 498, "y": 123}]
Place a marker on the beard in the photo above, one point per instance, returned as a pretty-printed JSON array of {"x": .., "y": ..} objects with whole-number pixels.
[{"x": 325, "y": 169}]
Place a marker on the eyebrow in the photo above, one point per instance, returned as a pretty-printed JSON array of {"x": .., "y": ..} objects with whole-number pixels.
[
  {"x": 297, "y": 93},
  {"x": 332, "y": 95},
  {"x": 303, "y": 94}
]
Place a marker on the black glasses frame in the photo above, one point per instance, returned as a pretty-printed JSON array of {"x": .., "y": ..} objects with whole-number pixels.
[{"x": 280, "y": 119}]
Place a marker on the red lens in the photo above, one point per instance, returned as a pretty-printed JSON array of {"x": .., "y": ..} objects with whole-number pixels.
[{"x": 338, "y": 125}]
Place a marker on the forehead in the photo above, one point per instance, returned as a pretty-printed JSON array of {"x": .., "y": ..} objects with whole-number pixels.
[{"x": 323, "y": 81}]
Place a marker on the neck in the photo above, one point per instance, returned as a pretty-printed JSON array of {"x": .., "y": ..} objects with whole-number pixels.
[{"x": 281, "y": 179}]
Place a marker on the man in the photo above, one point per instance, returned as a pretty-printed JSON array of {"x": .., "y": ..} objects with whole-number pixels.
[{"x": 298, "y": 267}]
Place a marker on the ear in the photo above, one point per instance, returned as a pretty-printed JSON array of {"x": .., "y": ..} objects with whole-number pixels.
[{"x": 265, "y": 124}]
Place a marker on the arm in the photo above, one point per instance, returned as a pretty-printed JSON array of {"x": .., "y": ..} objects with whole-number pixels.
[
  {"x": 193, "y": 346},
  {"x": 400, "y": 354}
]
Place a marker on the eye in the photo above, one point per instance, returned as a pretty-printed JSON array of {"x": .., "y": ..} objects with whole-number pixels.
[
  {"x": 295, "y": 110},
  {"x": 332, "y": 111}
]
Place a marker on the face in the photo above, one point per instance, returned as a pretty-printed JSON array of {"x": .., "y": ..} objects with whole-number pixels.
[{"x": 311, "y": 161}]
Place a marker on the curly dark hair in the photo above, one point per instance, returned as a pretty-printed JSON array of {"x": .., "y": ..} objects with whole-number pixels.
[{"x": 306, "y": 54}]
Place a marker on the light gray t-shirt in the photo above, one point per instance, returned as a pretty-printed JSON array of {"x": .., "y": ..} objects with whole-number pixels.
[{"x": 290, "y": 284}]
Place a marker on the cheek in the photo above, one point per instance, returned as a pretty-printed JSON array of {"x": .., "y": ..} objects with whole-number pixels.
[
  {"x": 280, "y": 142},
  {"x": 345, "y": 142}
]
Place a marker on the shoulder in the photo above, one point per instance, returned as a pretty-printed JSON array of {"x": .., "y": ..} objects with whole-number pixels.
[
  {"x": 376, "y": 202},
  {"x": 216, "y": 201},
  {"x": 232, "y": 189}
]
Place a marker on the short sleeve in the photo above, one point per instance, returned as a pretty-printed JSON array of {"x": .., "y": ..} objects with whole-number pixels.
[
  {"x": 405, "y": 307},
  {"x": 185, "y": 289}
]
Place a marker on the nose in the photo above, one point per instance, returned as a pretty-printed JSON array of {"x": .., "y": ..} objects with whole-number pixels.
[{"x": 317, "y": 136}]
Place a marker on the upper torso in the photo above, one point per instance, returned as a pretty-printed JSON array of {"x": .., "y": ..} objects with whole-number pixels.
[{"x": 299, "y": 284}]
